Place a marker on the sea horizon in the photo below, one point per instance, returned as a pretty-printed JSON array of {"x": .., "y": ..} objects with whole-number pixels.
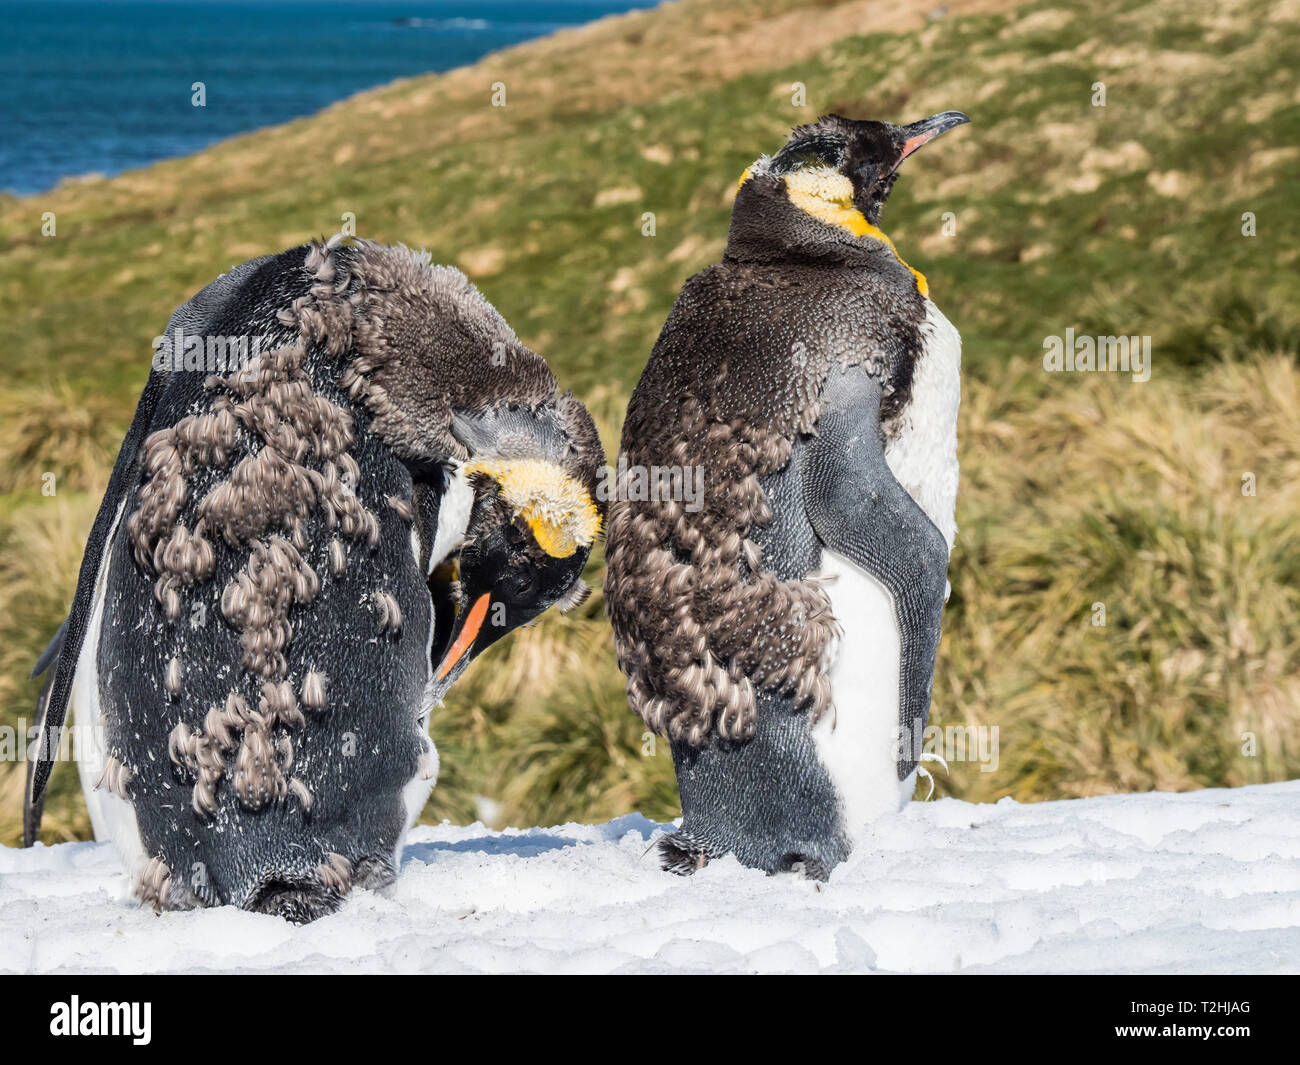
[{"x": 93, "y": 88}]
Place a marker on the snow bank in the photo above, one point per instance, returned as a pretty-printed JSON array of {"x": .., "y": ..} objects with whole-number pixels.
[{"x": 1204, "y": 882}]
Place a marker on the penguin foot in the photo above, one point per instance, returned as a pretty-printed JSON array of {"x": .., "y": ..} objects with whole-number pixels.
[{"x": 681, "y": 854}]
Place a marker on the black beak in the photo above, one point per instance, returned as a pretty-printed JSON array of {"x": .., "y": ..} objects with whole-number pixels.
[{"x": 919, "y": 133}]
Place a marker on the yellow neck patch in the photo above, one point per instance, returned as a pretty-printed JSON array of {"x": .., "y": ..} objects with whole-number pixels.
[
  {"x": 558, "y": 509},
  {"x": 827, "y": 195}
]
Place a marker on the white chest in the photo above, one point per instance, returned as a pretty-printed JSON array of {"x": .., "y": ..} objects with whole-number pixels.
[
  {"x": 923, "y": 452},
  {"x": 858, "y": 743},
  {"x": 453, "y": 522},
  {"x": 453, "y": 517}
]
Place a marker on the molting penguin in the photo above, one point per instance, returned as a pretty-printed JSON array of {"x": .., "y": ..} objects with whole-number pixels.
[
  {"x": 302, "y": 546},
  {"x": 784, "y": 634}
]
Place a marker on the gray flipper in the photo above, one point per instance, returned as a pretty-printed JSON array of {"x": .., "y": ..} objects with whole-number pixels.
[
  {"x": 34, "y": 807},
  {"x": 51, "y": 652},
  {"x": 859, "y": 510}
]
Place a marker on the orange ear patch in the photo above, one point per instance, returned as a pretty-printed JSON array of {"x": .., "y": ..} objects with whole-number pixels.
[{"x": 828, "y": 195}]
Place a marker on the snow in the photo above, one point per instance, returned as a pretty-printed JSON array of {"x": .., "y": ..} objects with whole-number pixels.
[{"x": 1202, "y": 882}]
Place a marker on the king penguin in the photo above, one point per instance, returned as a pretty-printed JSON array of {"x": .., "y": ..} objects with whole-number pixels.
[
  {"x": 345, "y": 478},
  {"x": 783, "y": 633}
]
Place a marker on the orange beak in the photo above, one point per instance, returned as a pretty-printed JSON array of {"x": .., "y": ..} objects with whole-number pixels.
[{"x": 473, "y": 622}]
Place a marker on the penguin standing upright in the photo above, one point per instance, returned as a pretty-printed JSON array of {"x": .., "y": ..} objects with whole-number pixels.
[
  {"x": 302, "y": 546},
  {"x": 784, "y": 633}
]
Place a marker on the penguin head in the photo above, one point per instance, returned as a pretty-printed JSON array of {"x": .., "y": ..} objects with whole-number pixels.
[
  {"x": 846, "y": 164},
  {"x": 835, "y": 171},
  {"x": 533, "y": 521}
]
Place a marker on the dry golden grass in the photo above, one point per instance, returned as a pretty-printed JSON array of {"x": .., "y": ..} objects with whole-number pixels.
[
  {"x": 56, "y": 430},
  {"x": 40, "y": 553},
  {"x": 1128, "y": 495}
]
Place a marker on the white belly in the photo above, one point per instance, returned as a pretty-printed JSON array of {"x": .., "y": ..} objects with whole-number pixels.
[
  {"x": 112, "y": 818},
  {"x": 453, "y": 521},
  {"x": 453, "y": 517},
  {"x": 417, "y": 790},
  {"x": 858, "y": 743}
]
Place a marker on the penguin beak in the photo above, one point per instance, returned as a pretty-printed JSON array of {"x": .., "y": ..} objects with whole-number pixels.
[
  {"x": 467, "y": 628},
  {"x": 464, "y": 637},
  {"x": 919, "y": 133}
]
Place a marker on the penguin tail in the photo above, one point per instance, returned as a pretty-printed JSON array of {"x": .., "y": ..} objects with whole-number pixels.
[
  {"x": 303, "y": 898},
  {"x": 297, "y": 901},
  {"x": 681, "y": 854}
]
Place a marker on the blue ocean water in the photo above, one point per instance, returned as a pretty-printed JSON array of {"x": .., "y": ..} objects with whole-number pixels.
[{"x": 104, "y": 85}]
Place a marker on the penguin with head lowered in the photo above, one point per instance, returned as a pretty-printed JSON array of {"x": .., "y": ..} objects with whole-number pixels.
[
  {"x": 300, "y": 549},
  {"x": 783, "y": 633}
]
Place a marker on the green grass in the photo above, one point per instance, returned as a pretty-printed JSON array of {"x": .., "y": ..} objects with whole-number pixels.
[{"x": 1117, "y": 219}]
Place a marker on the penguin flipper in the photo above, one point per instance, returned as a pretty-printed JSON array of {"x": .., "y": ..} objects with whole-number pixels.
[
  {"x": 51, "y": 652},
  {"x": 34, "y": 805},
  {"x": 858, "y": 509}
]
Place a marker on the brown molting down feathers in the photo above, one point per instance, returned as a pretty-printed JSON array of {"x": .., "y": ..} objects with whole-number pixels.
[
  {"x": 335, "y": 873},
  {"x": 174, "y": 677},
  {"x": 698, "y": 627},
  {"x": 115, "y": 778},
  {"x": 400, "y": 507},
  {"x": 258, "y": 602},
  {"x": 263, "y": 765},
  {"x": 338, "y": 558},
  {"x": 154, "y": 884},
  {"x": 412, "y": 377},
  {"x": 413, "y": 342},
  {"x": 390, "y": 614},
  {"x": 313, "y": 689},
  {"x": 710, "y": 627},
  {"x": 576, "y": 596},
  {"x": 469, "y": 359}
]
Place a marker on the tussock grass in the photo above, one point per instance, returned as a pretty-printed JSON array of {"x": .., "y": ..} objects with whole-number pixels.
[
  {"x": 1102, "y": 491},
  {"x": 71, "y": 433},
  {"x": 583, "y": 756},
  {"x": 40, "y": 554}
]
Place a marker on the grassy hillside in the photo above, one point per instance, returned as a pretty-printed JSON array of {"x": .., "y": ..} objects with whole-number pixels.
[{"x": 1077, "y": 489}]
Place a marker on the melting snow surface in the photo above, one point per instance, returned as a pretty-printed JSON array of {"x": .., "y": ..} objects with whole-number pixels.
[{"x": 1207, "y": 881}]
